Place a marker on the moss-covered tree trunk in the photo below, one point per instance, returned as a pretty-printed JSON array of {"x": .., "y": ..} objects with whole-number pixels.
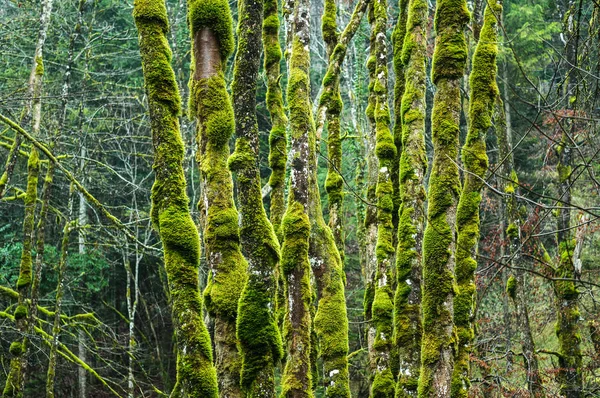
[
  {"x": 196, "y": 376},
  {"x": 212, "y": 42},
  {"x": 383, "y": 384},
  {"x": 483, "y": 94},
  {"x": 15, "y": 381},
  {"x": 257, "y": 331},
  {"x": 439, "y": 239},
  {"x": 410, "y": 112},
  {"x": 334, "y": 182},
  {"x": 274, "y": 102},
  {"x": 370, "y": 224},
  {"x": 295, "y": 266},
  {"x": 331, "y": 320},
  {"x": 277, "y": 135}
]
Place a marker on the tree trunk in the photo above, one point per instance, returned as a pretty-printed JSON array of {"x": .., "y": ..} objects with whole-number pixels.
[
  {"x": 274, "y": 101},
  {"x": 297, "y": 376},
  {"x": 196, "y": 376},
  {"x": 15, "y": 381},
  {"x": 439, "y": 239},
  {"x": 483, "y": 94},
  {"x": 567, "y": 295},
  {"x": 516, "y": 284},
  {"x": 56, "y": 326},
  {"x": 413, "y": 167},
  {"x": 382, "y": 308},
  {"x": 33, "y": 108},
  {"x": 258, "y": 334},
  {"x": 210, "y": 103}
]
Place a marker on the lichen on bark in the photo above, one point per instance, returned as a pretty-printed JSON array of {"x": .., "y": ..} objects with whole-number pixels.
[
  {"x": 170, "y": 213},
  {"x": 483, "y": 93},
  {"x": 438, "y": 343}
]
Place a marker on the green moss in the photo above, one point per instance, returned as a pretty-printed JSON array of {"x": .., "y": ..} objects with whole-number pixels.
[
  {"x": 411, "y": 219},
  {"x": 20, "y": 312},
  {"x": 274, "y": 101},
  {"x": 151, "y": 11},
  {"x": 484, "y": 92},
  {"x": 439, "y": 341},
  {"x": 257, "y": 331},
  {"x": 25, "y": 272},
  {"x": 511, "y": 287},
  {"x": 16, "y": 348},
  {"x": 39, "y": 66},
  {"x": 170, "y": 214},
  {"x": 329, "y": 25},
  {"x": 216, "y": 16}
]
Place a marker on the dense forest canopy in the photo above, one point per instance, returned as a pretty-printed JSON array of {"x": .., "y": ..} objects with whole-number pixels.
[{"x": 300, "y": 198}]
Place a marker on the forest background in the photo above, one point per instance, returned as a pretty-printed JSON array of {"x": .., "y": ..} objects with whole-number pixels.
[{"x": 94, "y": 119}]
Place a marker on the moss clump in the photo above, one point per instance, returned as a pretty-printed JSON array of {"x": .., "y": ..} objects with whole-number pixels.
[
  {"x": 170, "y": 214},
  {"x": 16, "y": 348},
  {"x": 511, "y": 287},
  {"x": 216, "y": 16},
  {"x": 484, "y": 92},
  {"x": 20, "y": 312}
]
